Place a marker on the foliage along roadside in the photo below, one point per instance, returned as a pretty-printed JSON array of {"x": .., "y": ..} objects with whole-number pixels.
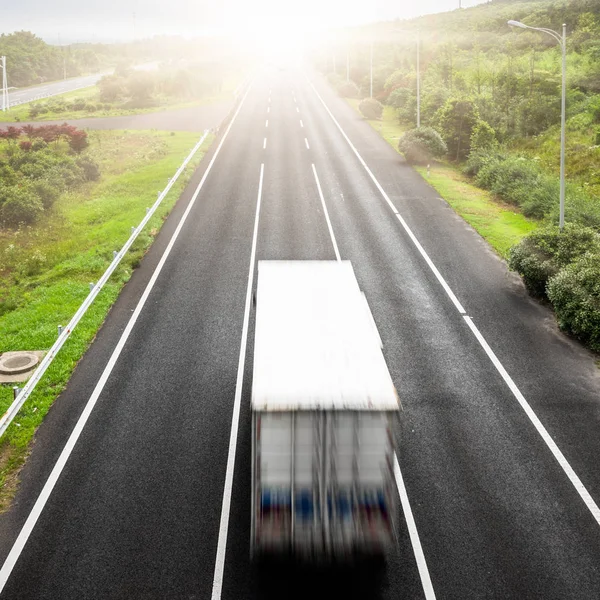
[
  {"x": 37, "y": 164},
  {"x": 50, "y": 264}
]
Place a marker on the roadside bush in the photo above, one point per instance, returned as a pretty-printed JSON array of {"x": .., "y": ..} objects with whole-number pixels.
[
  {"x": 370, "y": 108},
  {"x": 480, "y": 158},
  {"x": 348, "y": 89},
  {"x": 25, "y": 145},
  {"x": 575, "y": 296},
  {"x": 21, "y": 206},
  {"x": 543, "y": 253},
  {"x": 421, "y": 145},
  {"x": 519, "y": 181},
  {"x": 91, "y": 170},
  {"x": 38, "y": 145},
  {"x": 46, "y": 192}
]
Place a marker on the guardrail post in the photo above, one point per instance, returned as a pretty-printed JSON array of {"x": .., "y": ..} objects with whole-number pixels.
[
  {"x": 115, "y": 254},
  {"x": 92, "y": 285},
  {"x": 132, "y": 229},
  {"x": 148, "y": 208},
  {"x": 16, "y": 391},
  {"x": 60, "y": 330}
]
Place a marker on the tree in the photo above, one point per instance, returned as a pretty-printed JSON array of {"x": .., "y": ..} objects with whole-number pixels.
[
  {"x": 456, "y": 120},
  {"x": 483, "y": 137}
]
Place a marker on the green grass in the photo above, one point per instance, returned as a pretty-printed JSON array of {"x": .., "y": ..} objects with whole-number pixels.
[
  {"x": 21, "y": 113},
  {"x": 47, "y": 268},
  {"x": 498, "y": 223}
]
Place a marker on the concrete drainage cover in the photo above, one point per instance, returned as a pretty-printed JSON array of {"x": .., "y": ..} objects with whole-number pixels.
[{"x": 18, "y": 366}]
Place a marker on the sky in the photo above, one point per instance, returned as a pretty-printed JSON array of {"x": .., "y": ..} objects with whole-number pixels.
[{"x": 67, "y": 21}]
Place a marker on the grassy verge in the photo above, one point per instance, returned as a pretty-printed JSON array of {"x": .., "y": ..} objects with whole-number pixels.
[
  {"x": 21, "y": 113},
  {"x": 498, "y": 223},
  {"x": 53, "y": 263}
]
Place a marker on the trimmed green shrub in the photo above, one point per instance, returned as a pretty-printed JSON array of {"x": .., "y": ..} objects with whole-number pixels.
[
  {"x": 421, "y": 145},
  {"x": 575, "y": 296},
  {"x": 348, "y": 89},
  {"x": 370, "y": 108},
  {"x": 543, "y": 253},
  {"x": 21, "y": 206}
]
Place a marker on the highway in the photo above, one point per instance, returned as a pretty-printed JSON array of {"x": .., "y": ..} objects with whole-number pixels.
[
  {"x": 497, "y": 440},
  {"x": 55, "y": 88}
]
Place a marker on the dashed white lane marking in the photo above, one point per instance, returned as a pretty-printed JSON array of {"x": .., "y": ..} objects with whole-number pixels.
[
  {"x": 550, "y": 443},
  {"x": 222, "y": 543},
  {"x": 408, "y": 515},
  {"x": 412, "y": 236},
  {"x": 558, "y": 455},
  {"x": 413, "y": 533},
  {"x": 335, "y": 246},
  {"x": 267, "y": 123},
  {"x": 301, "y": 123},
  {"x": 268, "y": 109},
  {"x": 265, "y": 143},
  {"x": 306, "y": 142},
  {"x": 40, "y": 503},
  {"x": 297, "y": 109}
]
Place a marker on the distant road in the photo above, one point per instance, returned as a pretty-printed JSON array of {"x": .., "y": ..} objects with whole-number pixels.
[{"x": 61, "y": 87}]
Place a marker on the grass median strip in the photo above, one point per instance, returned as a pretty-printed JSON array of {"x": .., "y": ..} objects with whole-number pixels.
[
  {"x": 52, "y": 263},
  {"x": 500, "y": 224}
]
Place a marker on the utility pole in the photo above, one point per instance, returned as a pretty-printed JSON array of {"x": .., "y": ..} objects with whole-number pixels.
[
  {"x": 371, "y": 68},
  {"x": 418, "y": 78},
  {"x": 5, "y": 98},
  {"x": 347, "y": 64}
]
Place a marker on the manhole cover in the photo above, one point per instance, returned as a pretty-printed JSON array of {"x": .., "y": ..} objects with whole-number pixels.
[{"x": 21, "y": 362}]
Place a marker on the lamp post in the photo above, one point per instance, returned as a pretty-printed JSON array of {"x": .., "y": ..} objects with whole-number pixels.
[
  {"x": 371, "y": 68},
  {"x": 418, "y": 72},
  {"x": 562, "y": 40},
  {"x": 5, "y": 98}
]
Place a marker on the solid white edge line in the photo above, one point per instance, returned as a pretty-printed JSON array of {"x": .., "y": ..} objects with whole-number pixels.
[
  {"x": 558, "y": 455},
  {"x": 335, "y": 246},
  {"x": 412, "y": 236},
  {"x": 306, "y": 142},
  {"x": 224, "y": 525},
  {"x": 414, "y": 534},
  {"x": 38, "y": 507}
]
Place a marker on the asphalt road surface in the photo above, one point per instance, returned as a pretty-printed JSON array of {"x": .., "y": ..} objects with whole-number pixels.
[
  {"x": 498, "y": 440},
  {"x": 55, "y": 88}
]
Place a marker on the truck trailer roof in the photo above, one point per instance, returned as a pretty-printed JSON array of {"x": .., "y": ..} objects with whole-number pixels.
[{"x": 316, "y": 345}]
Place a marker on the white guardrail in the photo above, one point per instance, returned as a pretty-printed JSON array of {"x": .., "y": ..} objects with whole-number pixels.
[{"x": 26, "y": 391}]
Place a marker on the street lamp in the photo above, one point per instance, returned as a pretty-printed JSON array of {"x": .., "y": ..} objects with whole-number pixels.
[
  {"x": 562, "y": 40},
  {"x": 418, "y": 72},
  {"x": 5, "y": 98}
]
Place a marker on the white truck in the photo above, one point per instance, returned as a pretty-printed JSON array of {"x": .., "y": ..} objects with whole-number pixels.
[{"x": 323, "y": 405}]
